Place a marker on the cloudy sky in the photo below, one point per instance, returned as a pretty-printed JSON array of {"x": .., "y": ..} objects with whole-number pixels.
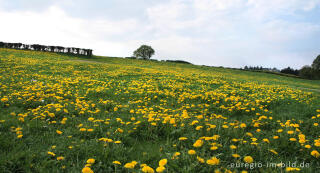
[{"x": 231, "y": 33}]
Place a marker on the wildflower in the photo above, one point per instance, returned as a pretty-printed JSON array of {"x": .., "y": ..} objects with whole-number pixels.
[
  {"x": 302, "y": 138},
  {"x": 4, "y": 99},
  {"x": 233, "y": 147},
  {"x": 243, "y": 125},
  {"x": 59, "y": 132},
  {"x": 273, "y": 151},
  {"x": 248, "y": 159},
  {"x": 266, "y": 140},
  {"x": 315, "y": 154},
  {"x": 183, "y": 138},
  {"x": 293, "y": 139},
  {"x": 87, "y": 170},
  {"x": 129, "y": 165},
  {"x": 119, "y": 130},
  {"x": 160, "y": 169},
  {"x": 116, "y": 162},
  {"x": 191, "y": 152},
  {"x": 147, "y": 169},
  {"x": 83, "y": 129},
  {"x": 51, "y": 153},
  {"x": 288, "y": 169},
  {"x": 176, "y": 154},
  {"x": 235, "y": 155},
  {"x": 213, "y": 148},
  {"x": 60, "y": 158},
  {"x": 163, "y": 162},
  {"x": 91, "y": 161},
  {"x": 213, "y": 161},
  {"x": 19, "y": 136},
  {"x": 199, "y": 127},
  {"x": 249, "y": 134},
  {"x": 290, "y": 132},
  {"x": 307, "y": 146},
  {"x": 201, "y": 160},
  {"x": 198, "y": 143}
]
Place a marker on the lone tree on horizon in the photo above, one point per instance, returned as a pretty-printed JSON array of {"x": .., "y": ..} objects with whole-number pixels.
[{"x": 144, "y": 51}]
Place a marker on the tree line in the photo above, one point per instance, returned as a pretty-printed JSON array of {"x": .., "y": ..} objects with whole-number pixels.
[
  {"x": 307, "y": 72},
  {"x": 38, "y": 47}
]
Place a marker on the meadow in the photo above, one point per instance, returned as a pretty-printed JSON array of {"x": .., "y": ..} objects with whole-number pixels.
[{"x": 62, "y": 113}]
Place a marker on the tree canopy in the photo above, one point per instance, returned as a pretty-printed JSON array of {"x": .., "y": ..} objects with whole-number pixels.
[
  {"x": 144, "y": 52},
  {"x": 316, "y": 63}
]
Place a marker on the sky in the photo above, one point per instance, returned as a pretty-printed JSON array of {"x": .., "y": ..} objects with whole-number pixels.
[{"x": 229, "y": 33}]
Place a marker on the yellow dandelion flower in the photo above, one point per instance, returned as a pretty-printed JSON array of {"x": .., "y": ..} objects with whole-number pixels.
[
  {"x": 59, "y": 132},
  {"x": 163, "y": 162},
  {"x": 116, "y": 162},
  {"x": 248, "y": 159},
  {"x": 91, "y": 161},
  {"x": 183, "y": 138},
  {"x": 235, "y": 155},
  {"x": 160, "y": 169},
  {"x": 51, "y": 153},
  {"x": 19, "y": 136},
  {"x": 129, "y": 165},
  {"x": 315, "y": 154},
  {"x": 198, "y": 143},
  {"x": 307, "y": 146},
  {"x": 60, "y": 158},
  {"x": 273, "y": 151},
  {"x": 147, "y": 169},
  {"x": 83, "y": 129},
  {"x": 87, "y": 170},
  {"x": 213, "y": 161},
  {"x": 289, "y": 169},
  {"x": 233, "y": 147},
  {"x": 191, "y": 152},
  {"x": 201, "y": 160}
]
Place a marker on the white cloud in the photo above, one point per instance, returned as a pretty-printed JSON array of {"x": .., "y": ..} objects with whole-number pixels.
[
  {"x": 279, "y": 31},
  {"x": 55, "y": 27},
  {"x": 266, "y": 10},
  {"x": 213, "y": 32}
]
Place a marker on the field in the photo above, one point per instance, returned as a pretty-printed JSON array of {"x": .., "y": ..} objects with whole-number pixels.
[{"x": 63, "y": 113}]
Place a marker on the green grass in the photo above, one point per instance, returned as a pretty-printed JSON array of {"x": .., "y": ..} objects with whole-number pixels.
[{"x": 148, "y": 106}]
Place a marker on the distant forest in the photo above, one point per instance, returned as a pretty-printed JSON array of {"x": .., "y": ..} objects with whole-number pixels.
[{"x": 57, "y": 49}]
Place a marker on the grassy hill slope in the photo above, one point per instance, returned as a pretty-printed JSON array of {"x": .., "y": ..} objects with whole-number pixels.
[{"x": 66, "y": 114}]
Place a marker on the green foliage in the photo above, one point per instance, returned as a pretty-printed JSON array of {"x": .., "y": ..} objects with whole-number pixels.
[
  {"x": 148, "y": 106},
  {"x": 308, "y": 72},
  {"x": 179, "y": 61},
  {"x": 312, "y": 72},
  {"x": 316, "y": 63},
  {"x": 144, "y": 52}
]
